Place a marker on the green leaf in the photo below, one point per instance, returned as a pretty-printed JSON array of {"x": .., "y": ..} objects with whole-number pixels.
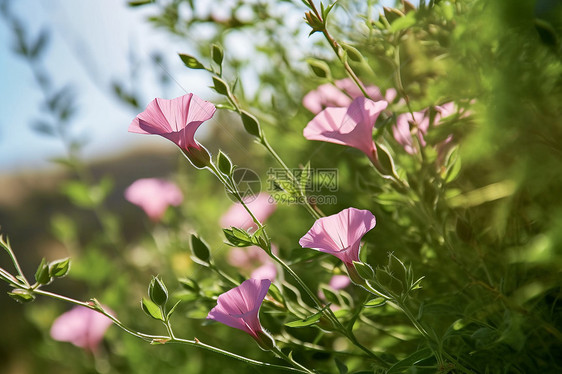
[
  {"x": 42, "y": 274},
  {"x": 365, "y": 271},
  {"x": 134, "y": 3},
  {"x": 151, "y": 309},
  {"x": 78, "y": 193},
  {"x": 200, "y": 249},
  {"x": 235, "y": 241},
  {"x": 224, "y": 163},
  {"x": 403, "y": 22},
  {"x": 225, "y": 106},
  {"x": 353, "y": 53},
  {"x": 59, "y": 268},
  {"x": 190, "y": 285},
  {"x": 327, "y": 10},
  {"x": 241, "y": 234},
  {"x": 250, "y": 123},
  {"x": 21, "y": 296},
  {"x": 453, "y": 166},
  {"x": 304, "y": 177},
  {"x": 319, "y": 68},
  {"x": 392, "y": 14},
  {"x": 191, "y": 62},
  {"x": 310, "y": 320},
  {"x": 376, "y": 302},
  {"x": 39, "y": 45},
  {"x": 221, "y": 86},
  {"x": 173, "y": 309},
  {"x": 397, "y": 268},
  {"x": 385, "y": 160},
  {"x": 410, "y": 361},
  {"x": 342, "y": 368},
  {"x": 330, "y": 296},
  {"x": 217, "y": 54},
  {"x": 158, "y": 292}
]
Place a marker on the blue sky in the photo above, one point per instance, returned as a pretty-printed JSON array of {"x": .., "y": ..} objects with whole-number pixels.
[{"x": 90, "y": 46}]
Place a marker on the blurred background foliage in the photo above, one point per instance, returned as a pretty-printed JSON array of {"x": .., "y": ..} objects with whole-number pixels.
[{"x": 488, "y": 242}]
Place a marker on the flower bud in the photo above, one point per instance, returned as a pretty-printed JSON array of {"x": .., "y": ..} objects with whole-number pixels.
[{"x": 199, "y": 157}]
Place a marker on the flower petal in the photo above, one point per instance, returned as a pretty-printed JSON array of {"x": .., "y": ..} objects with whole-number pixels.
[{"x": 340, "y": 234}]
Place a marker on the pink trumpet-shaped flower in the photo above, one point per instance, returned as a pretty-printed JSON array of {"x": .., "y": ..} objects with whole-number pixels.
[
  {"x": 351, "y": 126},
  {"x": 239, "y": 308},
  {"x": 177, "y": 120},
  {"x": 420, "y": 121},
  {"x": 154, "y": 196},
  {"x": 339, "y": 282},
  {"x": 82, "y": 327},
  {"x": 254, "y": 259},
  {"x": 341, "y": 95},
  {"x": 262, "y": 206},
  {"x": 340, "y": 234}
]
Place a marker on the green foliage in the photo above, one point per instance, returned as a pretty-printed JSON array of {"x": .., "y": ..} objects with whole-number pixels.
[{"x": 473, "y": 211}]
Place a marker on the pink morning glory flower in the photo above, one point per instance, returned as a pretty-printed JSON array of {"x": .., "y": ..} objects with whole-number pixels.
[
  {"x": 177, "y": 120},
  {"x": 341, "y": 95},
  {"x": 351, "y": 126},
  {"x": 261, "y": 205},
  {"x": 339, "y": 282},
  {"x": 340, "y": 234},
  {"x": 254, "y": 259},
  {"x": 82, "y": 327},
  {"x": 154, "y": 196},
  {"x": 239, "y": 308},
  {"x": 420, "y": 121}
]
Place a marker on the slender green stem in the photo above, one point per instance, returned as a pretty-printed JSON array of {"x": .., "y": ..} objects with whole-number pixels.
[
  {"x": 197, "y": 343},
  {"x": 8, "y": 248},
  {"x": 92, "y": 306},
  {"x": 223, "y": 275},
  {"x": 314, "y": 211},
  {"x": 155, "y": 339},
  {"x": 291, "y": 361},
  {"x": 4, "y": 275},
  {"x": 398, "y": 79},
  {"x": 335, "y": 46}
]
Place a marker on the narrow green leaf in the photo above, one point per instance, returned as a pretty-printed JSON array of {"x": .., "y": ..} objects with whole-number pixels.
[
  {"x": 191, "y": 62},
  {"x": 365, "y": 271},
  {"x": 410, "y": 361},
  {"x": 221, "y": 86},
  {"x": 151, "y": 309},
  {"x": 134, "y": 3},
  {"x": 224, "y": 163},
  {"x": 250, "y": 123},
  {"x": 233, "y": 240},
  {"x": 310, "y": 320},
  {"x": 200, "y": 249},
  {"x": 173, "y": 309},
  {"x": 190, "y": 285},
  {"x": 217, "y": 54},
  {"x": 342, "y": 368},
  {"x": 403, "y": 22},
  {"x": 319, "y": 68},
  {"x": 330, "y": 296},
  {"x": 304, "y": 178},
  {"x": 42, "y": 274},
  {"x": 158, "y": 292},
  {"x": 59, "y": 268},
  {"x": 376, "y": 302},
  {"x": 21, "y": 296}
]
